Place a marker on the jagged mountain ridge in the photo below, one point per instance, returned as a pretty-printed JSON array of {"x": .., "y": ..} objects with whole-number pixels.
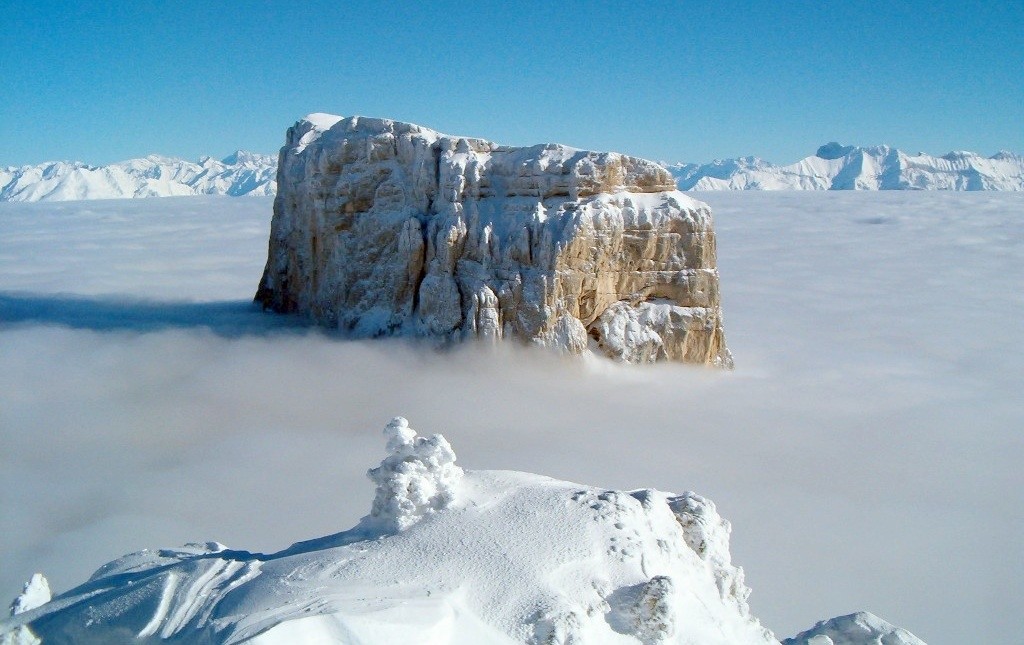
[
  {"x": 832, "y": 167},
  {"x": 241, "y": 173},
  {"x": 838, "y": 167}
]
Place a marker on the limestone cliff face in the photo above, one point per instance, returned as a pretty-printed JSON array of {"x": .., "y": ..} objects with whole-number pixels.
[{"x": 384, "y": 228}]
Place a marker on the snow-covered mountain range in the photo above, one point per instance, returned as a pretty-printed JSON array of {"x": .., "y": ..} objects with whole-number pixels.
[
  {"x": 833, "y": 167},
  {"x": 242, "y": 173},
  {"x": 838, "y": 167}
]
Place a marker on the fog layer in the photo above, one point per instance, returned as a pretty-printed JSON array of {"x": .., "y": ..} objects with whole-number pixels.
[{"x": 866, "y": 448}]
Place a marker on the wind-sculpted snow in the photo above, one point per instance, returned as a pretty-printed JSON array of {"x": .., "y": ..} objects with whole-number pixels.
[
  {"x": 242, "y": 173},
  {"x": 861, "y": 628},
  {"x": 418, "y": 477},
  {"x": 445, "y": 556},
  {"x": 837, "y": 167},
  {"x": 35, "y": 593},
  {"x": 386, "y": 228}
]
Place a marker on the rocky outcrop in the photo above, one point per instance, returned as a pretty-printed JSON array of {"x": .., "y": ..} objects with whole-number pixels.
[{"x": 388, "y": 228}]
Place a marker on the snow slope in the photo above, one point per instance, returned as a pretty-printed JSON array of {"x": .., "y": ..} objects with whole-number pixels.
[
  {"x": 445, "y": 556},
  {"x": 241, "y": 173},
  {"x": 837, "y": 167}
]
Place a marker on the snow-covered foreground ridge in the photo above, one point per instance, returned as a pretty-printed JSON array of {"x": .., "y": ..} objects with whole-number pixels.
[
  {"x": 837, "y": 167},
  {"x": 445, "y": 556},
  {"x": 242, "y": 173}
]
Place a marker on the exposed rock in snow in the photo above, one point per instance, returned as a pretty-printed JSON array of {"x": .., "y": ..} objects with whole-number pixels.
[
  {"x": 861, "y": 628},
  {"x": 241, "y": 173},
  {"x": 837, "y": 167},
  {"x": 382, "y": 227},
  {"x": 647, "y": 610},
  {"x": 707, "y": 534},
  {"x": 444, "y": 556}
]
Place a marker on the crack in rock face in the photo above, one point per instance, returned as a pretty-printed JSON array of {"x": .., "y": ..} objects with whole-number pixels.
[{"x": 388, "y": 228}]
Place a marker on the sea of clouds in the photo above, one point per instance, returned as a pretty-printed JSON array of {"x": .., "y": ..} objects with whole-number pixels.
[{"x": 867, "y": 447}]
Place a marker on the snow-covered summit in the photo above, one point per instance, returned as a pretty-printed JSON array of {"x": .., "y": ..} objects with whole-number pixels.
[
  {"x": 854, "y": 629},
  {"x": 838, "y": 167},
  {"x": 241, "y": 173},
  {"x": 445, "y": 556}
]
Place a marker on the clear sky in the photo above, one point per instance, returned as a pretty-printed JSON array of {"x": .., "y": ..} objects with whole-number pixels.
[{"x": 673, "y": 81}]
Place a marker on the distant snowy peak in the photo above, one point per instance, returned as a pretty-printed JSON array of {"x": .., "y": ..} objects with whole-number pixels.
[
  {"x": 839, "y": 167},
  {"x": 854, "y": 629},
  {"x": 250, "y": 160},
  {"x": 241, "y": 173}
]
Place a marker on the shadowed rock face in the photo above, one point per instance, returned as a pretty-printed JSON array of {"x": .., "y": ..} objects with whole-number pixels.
[{"x": 388, "y": 228}]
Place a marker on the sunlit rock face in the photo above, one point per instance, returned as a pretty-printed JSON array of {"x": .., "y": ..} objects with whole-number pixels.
[{"x": 388, "y": 228}]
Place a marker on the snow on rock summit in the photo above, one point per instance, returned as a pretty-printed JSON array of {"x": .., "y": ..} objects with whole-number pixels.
[
  {"x": 445, "y": 556},
  {"x": 388, "y": 228}
]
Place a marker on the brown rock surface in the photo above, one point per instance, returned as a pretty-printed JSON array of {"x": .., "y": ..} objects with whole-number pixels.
[{"x": 388, "y": 228}]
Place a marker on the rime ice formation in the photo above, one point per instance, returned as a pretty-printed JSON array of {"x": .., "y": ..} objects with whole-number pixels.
[
  {"x": 36, "y": 593},
  {"x": 445, "y": 556},
  {"x": 837, "y": 167},
  {"x": 861, "y": 628},
  {"x": 418, "y": 477},
  {"x": 388, "y": 228},
  {"x": 241, "y": 173}
]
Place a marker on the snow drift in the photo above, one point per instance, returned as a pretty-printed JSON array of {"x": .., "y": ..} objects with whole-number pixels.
[
  {"x": 838, "y": 167},
  {"x": 445, "y": 555},
  {"x": 241, "y": 173}
]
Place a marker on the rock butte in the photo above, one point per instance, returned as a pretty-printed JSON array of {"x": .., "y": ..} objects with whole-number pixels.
[{"x": 388, "y": 228}]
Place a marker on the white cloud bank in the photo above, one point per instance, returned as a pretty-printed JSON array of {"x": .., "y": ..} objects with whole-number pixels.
[{"x": 866, "y": 448}]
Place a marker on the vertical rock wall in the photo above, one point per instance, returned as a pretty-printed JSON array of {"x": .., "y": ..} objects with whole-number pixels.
[{"x": 388, "y": 228}]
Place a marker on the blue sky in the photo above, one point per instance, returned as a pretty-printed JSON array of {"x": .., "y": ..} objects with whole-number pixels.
[{"x": 674, "y": 81}]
